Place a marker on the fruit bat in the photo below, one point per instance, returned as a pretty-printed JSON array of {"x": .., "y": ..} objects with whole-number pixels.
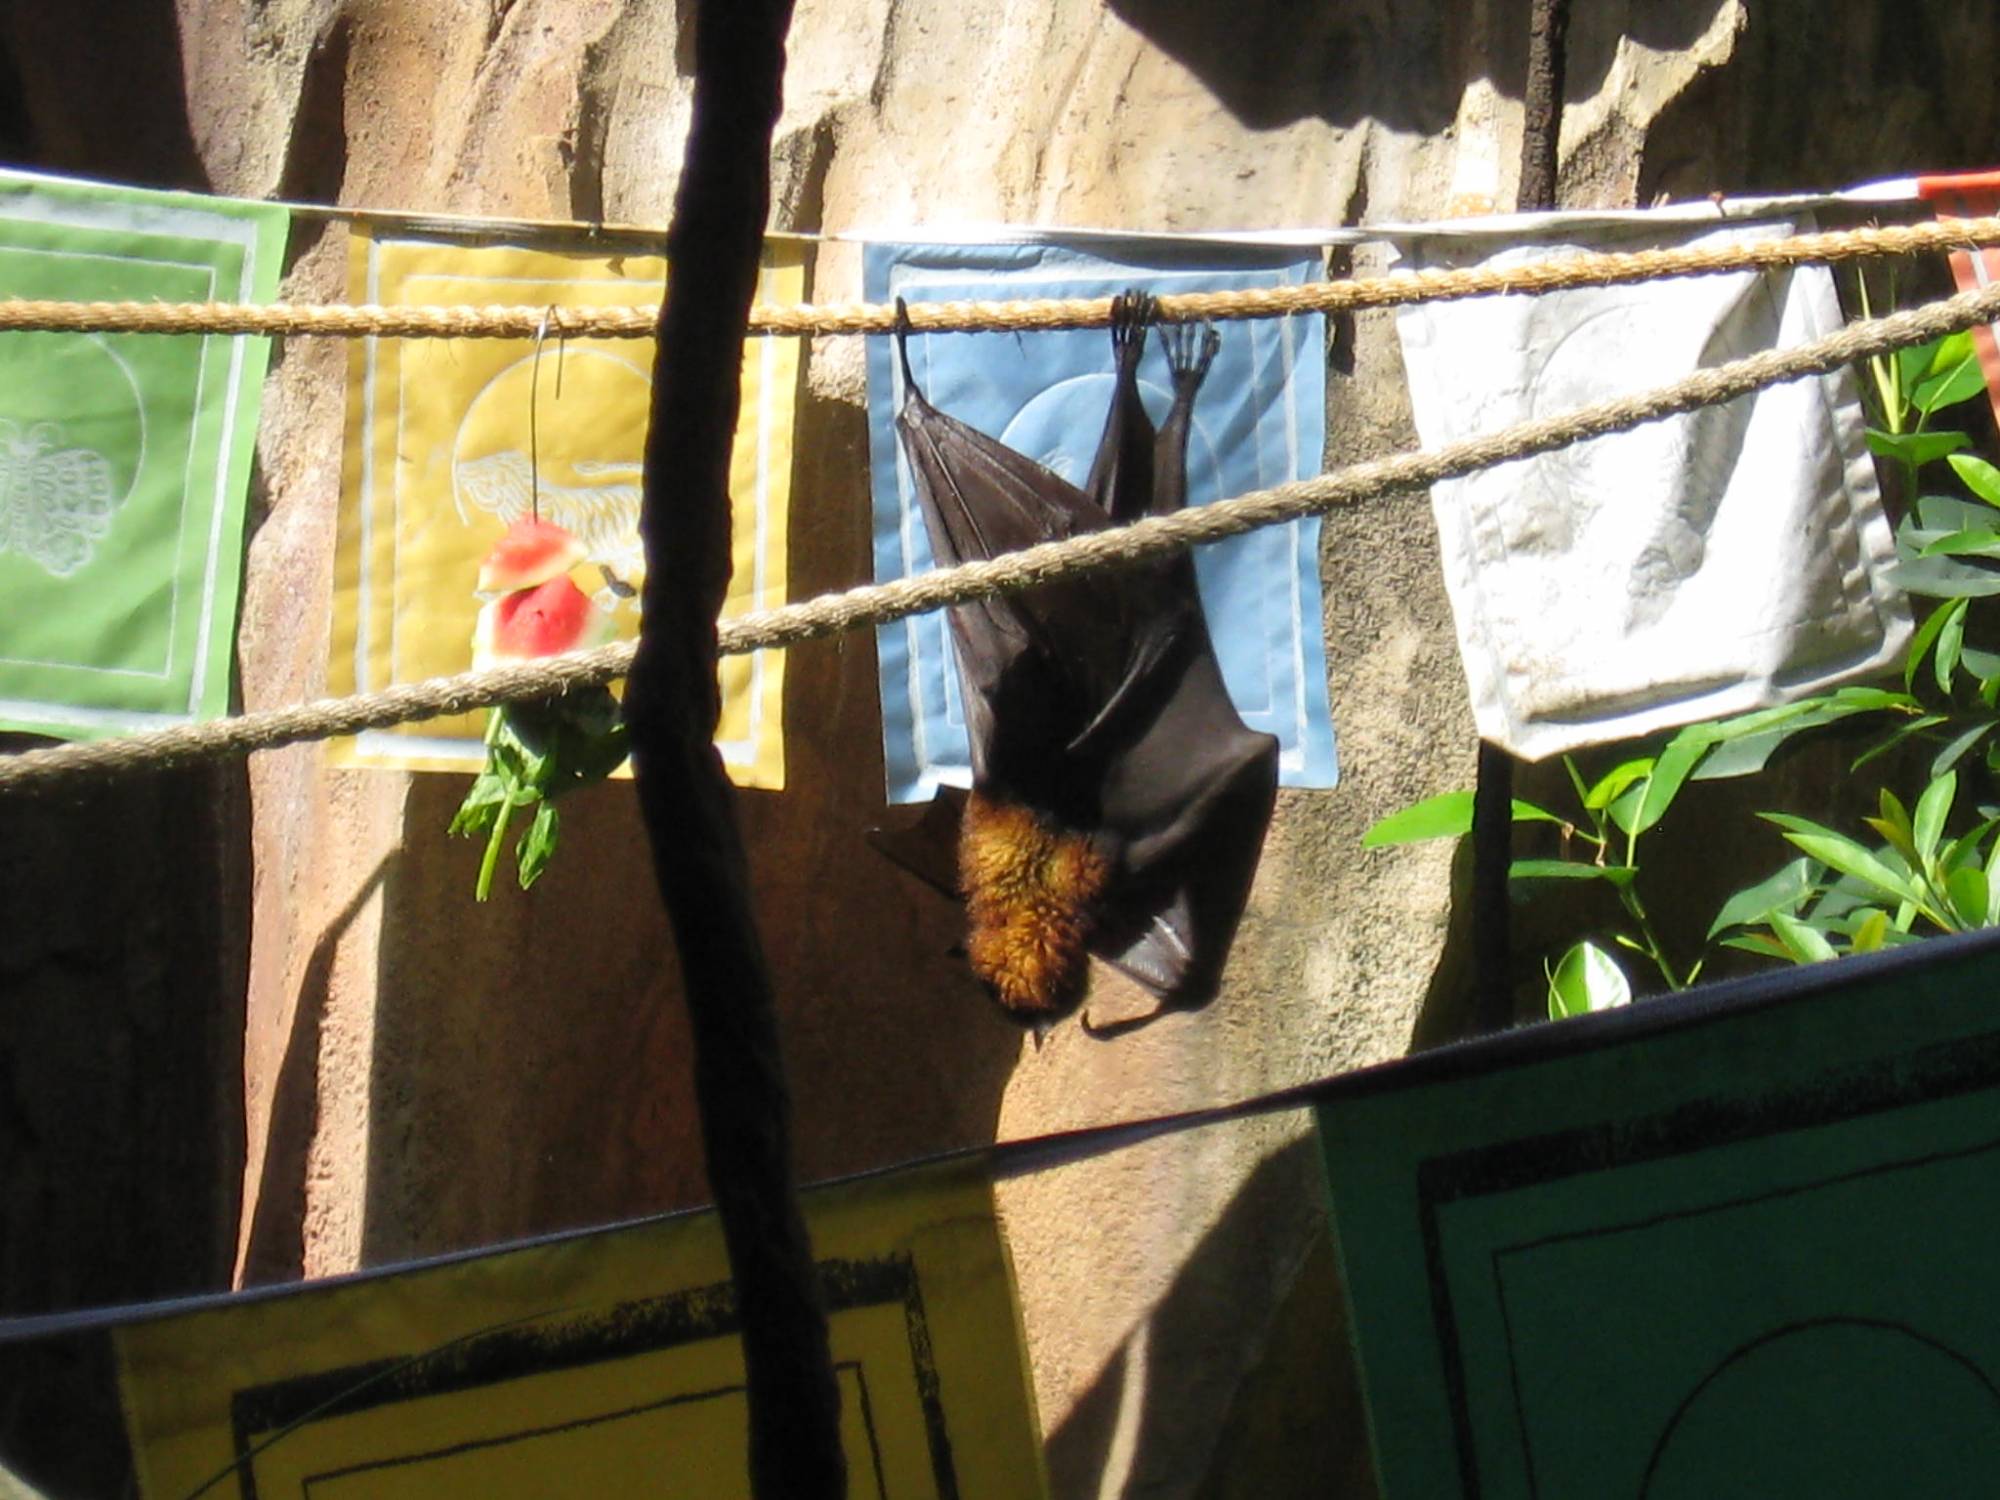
[{"x": 1118, "y": 803}]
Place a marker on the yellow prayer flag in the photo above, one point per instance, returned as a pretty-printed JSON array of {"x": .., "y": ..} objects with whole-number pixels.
[
  {"x": 599, "y": 1364},
  {"x": 449, "y": 441}
]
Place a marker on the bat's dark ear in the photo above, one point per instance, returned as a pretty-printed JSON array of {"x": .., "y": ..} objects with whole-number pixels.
[{"x": 925, "y": 843}]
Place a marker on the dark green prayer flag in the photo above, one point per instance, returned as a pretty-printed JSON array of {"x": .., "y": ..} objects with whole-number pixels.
[{"x": 1738, "y": 1242}]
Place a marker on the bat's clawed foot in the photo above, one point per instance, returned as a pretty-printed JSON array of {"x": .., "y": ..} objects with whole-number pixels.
[
  {"x": 1190, "y": 350},
  {"x": 1132, "y": 313}
]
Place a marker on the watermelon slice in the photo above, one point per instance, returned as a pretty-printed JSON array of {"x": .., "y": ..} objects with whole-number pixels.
[
  {"x": 531, "y": 553},
  {"x": 554, "y": 616}
]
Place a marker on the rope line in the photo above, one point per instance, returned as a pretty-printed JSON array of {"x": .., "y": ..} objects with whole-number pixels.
[
  {"x": 880, "y": 604},
  {"x": 1400, "y": 288}
]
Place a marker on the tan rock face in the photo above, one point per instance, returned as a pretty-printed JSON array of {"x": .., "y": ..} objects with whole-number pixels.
[{"x": 422, "y": 1074}]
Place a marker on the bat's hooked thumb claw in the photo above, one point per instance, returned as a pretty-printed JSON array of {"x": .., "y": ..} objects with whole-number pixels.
[
  {"x": 903, "y": 331},
  {"x": 1111, "y": 1029}
]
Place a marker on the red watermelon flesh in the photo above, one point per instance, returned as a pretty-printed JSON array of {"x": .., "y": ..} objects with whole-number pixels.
[
  {"x": 554, "y": 616},
  {"x": 532, "y": 552}
]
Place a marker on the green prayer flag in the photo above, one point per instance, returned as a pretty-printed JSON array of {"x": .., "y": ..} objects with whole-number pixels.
[
  {"x": 124, "y": 458},
  {"x": 1733, "y": 1243}
]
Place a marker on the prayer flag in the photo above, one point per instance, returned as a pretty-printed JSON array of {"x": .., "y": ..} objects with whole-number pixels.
[
  {"x": 1732, "y": 1242},
  {"x": 1971, "y": 195},
  {"x": 449, "y": 441},
  {"x": 1729, "y": 558},
  {"x": 1260, "y": 421},
  {"x": 124, "y": 458},
  {"x": 604, "y": 1363}
]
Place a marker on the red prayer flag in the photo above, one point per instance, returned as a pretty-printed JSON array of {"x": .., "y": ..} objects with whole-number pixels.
[{"x": 1971, "y": 195}]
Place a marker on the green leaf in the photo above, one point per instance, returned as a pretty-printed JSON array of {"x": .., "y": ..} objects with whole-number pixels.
[
  {"x": 1964, "y": 850},
  {"x": 1759, "y": 943},
  {"x": 1980, "y": 543},
  {"x": 1743, "y": 744},
  {"x": 1804, "y": 944},
  {"x": 1950, "y": 640},
  {"x": 1843, "y": 854},
  {"x": 538, "y": 844},
  {"x": 481, "y": 804},
  {"x": 1869, "y": 933},
  {"x": 1684, "y": 751},
  {"x": 1915, "y": 448},
  {"x": 1624, "y": 809},
  {"x": 1913, "y": 362},
  {"x": 1933, "y": 807},
  {"x": 1960, "y": 744},
  {"x": 1896, "y": 737},
  {"x": 1944, "y": 578},
  {"x": 1921, "y": 640},
  {"x": 1780, "y": 892},
  {"x": 1980, "y": 477},
  {"x": 1948, "y": 386},
  {"x": 1745, "y": 756},
  {"x": 1527, "y": 812},
  {"x": 1614, "y": 781},
  {"x": 1445, "y": 816},
  {"x": 1949, "y": 351},
  {"x": 1585, "y": 979},
  {"x": 1971, "y": 902},
  {"x": 1897, "y": 817},
  {"x": 1569, "y": 869},
  {"x": 1897, "y": 837},
  {"x": 1948, "y": 513}
]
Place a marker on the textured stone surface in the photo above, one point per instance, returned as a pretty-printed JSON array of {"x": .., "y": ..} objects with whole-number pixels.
[{"x": 421, "y": 1074}]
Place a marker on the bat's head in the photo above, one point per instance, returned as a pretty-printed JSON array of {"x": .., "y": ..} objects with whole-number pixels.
[{"x": 1030, "y": 887}]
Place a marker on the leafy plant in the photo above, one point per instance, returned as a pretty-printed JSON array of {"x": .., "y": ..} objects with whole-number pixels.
[
  {"x": 1613, "y": 812},
  {"x": 1840, "y": 895},
  {"x": 536, "y": 752},
  {"x": 1851, "y": 897}
]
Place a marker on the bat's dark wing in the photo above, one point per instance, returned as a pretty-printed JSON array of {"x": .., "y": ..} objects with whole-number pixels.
[
  {"x": 1038, "y": 665},
  {"x": 1097, "y": 703}
]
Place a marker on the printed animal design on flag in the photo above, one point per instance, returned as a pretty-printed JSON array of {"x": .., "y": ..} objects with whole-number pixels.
[
  {"x": 55, "y": 502},
  {"x": 604, "y": 515}
]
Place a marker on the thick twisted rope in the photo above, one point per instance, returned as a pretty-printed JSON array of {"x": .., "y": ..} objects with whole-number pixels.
[
  {"x": 1397, "y": 289},
  {"x": 879, "y": 604}
]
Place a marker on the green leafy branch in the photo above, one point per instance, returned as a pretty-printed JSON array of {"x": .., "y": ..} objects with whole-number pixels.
[
  {"x": 535, "y": 753},
  {"x": 1839, "y": 895}
]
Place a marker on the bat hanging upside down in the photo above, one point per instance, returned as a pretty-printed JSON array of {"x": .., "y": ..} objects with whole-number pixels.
[{"x": 1119, "y": 803}]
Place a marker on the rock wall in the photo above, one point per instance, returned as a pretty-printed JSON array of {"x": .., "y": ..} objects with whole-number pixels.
[{"x": 420, "y": 1074}]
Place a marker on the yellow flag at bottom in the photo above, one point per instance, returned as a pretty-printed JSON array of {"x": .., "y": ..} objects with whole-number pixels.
[{"x": 600, "y": 1364}]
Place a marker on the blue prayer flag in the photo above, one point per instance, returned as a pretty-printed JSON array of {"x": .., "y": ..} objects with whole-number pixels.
[{"x": 1260, "y": 421}]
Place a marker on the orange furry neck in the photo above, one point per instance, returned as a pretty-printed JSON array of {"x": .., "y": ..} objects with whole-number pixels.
[{"x": 1029, "y": 887}]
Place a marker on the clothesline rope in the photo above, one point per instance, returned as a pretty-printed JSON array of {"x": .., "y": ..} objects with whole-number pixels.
[
  {"x": 879, "y": 604},
  {"x": 339, "y": 320}
]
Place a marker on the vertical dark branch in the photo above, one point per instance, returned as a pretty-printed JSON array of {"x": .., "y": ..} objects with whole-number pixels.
[
  {"x": 1541, "y": 100},
  {"x": 672, "y": 704},
  {"x": 1492, "y": 854},
  {"x": 1493, "y": 798}
]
